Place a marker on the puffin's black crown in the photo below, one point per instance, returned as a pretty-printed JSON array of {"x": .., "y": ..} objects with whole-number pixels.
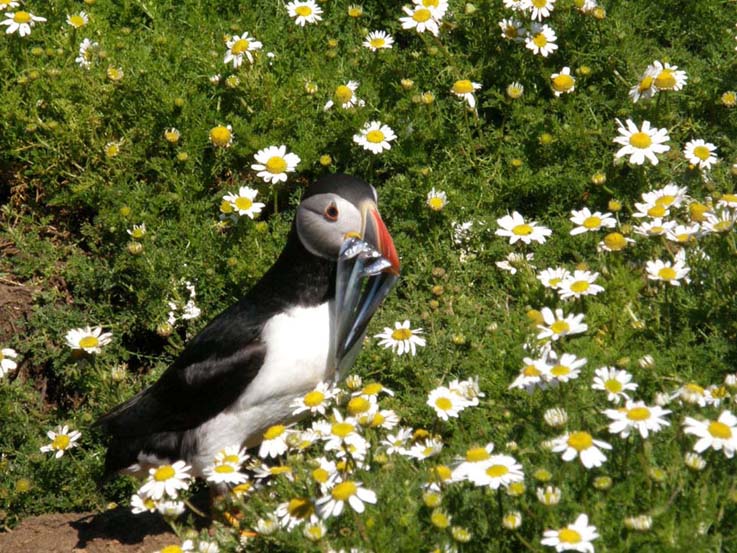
[{"x": 351, "y": 188}]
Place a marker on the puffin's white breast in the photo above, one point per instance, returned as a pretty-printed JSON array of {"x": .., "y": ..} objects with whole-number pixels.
[{"x": 298, "y": 357}]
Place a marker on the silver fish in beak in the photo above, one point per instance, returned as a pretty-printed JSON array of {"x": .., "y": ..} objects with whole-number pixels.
[{"x": 368, "y": 268}]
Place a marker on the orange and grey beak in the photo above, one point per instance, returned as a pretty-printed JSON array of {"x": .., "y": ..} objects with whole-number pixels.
[{"x": 376, "y": 234}]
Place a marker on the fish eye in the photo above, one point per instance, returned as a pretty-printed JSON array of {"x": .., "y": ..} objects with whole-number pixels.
[{"x": 331, "y": 212}]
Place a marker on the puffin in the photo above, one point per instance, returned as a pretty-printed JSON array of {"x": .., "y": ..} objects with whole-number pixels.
[{"x": 301, "y": 324}]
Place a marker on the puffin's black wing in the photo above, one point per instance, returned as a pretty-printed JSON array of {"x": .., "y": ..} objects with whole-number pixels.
[{"x": 212, "y": 371}]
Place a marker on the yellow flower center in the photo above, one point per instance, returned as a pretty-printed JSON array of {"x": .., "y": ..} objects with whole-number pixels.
[
  {"x": 372, "y": 389},
  {"x": 358, "y": 405},
  {"x": 276, "y": 471},
  {"x": 320, "y": 475},
  {"x": 443, "y": 403},
  {"x": 276, "y": 165},
  {"x": 224, "y": 469},
  {"x": 303, "y": 11},
  {"x": 638, "y": 414},
  {"x": 343, "y": 94},
  {"x": 375, "y": 136},
  {"x": 61, "y": 441},
  {"x": 401, "y": 334},
  {"x": 701, "y": 152},
  {"x": 580, "y": 286},
  {"x": 720, "y": 430},
  {"x": 560, "y": 327},
  {"x": 615, "y": 241},
  {"x": 431, "y": 3},
  {"x": 171, "y": 136},
  {"x": 435, "y": 203},
  {"x": 560, "y": 370},
  {"x": 640, "y": 140},
  {"x": 540, "y": 40},
  {"x": 510, "y": 31},
  {"x": 568, "y": 535},
  {"x": 240, "y": 46},
  {"x": 88, "y": 342},
  {"x": 274, "y": 431},
  {"x": 137, "y": 233},
  {"x": 665, "y": 200},
  {"x": 76, "y": 21},
  {"x": 580, "y": 440},
  {"x": 164, "y": 473},
  {"x": 645, "y": 83},
  {"x": 234, "y": 459},
  {"x": 313, "y": 398},
  {"x": 592, "y": 222},
  {"x": 476, "y": 454},
  {"x": 243, "y": 203},
  {"x": 496, "y": 471},
  {"x": 112, "y": 150},
  {"x": 342, "y": 429},
  {"x": 442, "y": 472},
  {"x": 344, "y": 490},
  {"x": 463, "y": 87},
  {"x": 220, "y": 136},
  {"x": 421, "y": 15},
  {"x": 539, "y": 3},
  {"x": 22, "y": 17},
  {"x": 172, "y": 549},
  {"x": 666, "y": 79},
  {"x": 522, "y": 230},
  {"x": 300, "y": 507},
  {"x": 613, "y": 385},
  {"x": 563, "y": 82},
  {"x": 656, "y": 211},
  {"x": 667, "y": 273},
  {"x": 378, "y": 420},
  {"x": 355, "y": 11},
  {"x": 729, "y": 198},
  {"x": 723, "y": 226},
  {"x": 694, "y": 388},
  {"x": 377, "y": 42},
  {"x": 530, "y": 370}
]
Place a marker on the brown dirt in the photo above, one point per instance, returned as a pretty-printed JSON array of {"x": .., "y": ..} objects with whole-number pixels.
[
  {"x": 16, "y": 300},
  {"x": 114, "y": 531}
]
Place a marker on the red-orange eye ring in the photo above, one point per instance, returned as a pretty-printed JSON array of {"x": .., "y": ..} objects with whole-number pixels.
[{"x": 331, "y": 212}]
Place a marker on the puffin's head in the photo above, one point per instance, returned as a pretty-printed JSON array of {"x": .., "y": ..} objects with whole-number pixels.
[{"x": 338, "y": 207}]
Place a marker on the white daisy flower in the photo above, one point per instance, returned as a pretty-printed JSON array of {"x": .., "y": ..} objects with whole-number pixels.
[
  {"x": 515, "y": 260},
  {"x": 8, "y": 363},
  {"x": 274, "y": 163},
  {"x": 516, "y": 228},
  {"x": 541, "y": 40},
  {"x": 555, "y": 417},
  {"x": 564, "y": 367},
  {"x": 375, "y": 137},
  {"x": 533, "y": 375},
  {"x": 240, "y": 47},
  {"x": 668, "y": 77},
  {"x": 294, "y": 512},
  {"x": 84, "y": 58},
  {"x": 166, "y": 480},
  {"x": 170, "y": 509},
  {"x": 701, "y": 154},
  {"x": 89, "y": 339},
  {"x": 552, "y": 277},
  {"x": 349, "y": 491},
  {"x": 549, "y": 496},
  {"x": 425, "y": 449},
  {"x": 655, "y": 227},
  {"x": 137, "y": 232},
  {"x": 142, "y": 504},
  {"x": 671, "y": 195},
  {"x": 232, "y": 454},
  {"x": 582, "y": 445},
  {"x": 314, "y": 531},
  {"x": 78, "y": 20},
  {"x": 513, "y": 29},
  {"x": 563, "y": 82},
  {"x": 267, "y": 525},
  {"x": 402, "y": 339},
  {"x": 315, "y": 401},
  {"x": 465, "y": 89},
  {"x": 378, "y": 40},
  {"x": 397, "y": 442},
  {"x": 446, "y": 403},
  {"x": 274, "y": 441},
  {"x": 720, "y": 434},
  {"x": 475, "y": 460},
  {"x": 497, "y": 471},
  {"x": 645, "y": 87},
  {"x": 420, "y": 19},
  {"x": 62, "y": 439},
  {"x": 325, "y": 473},
  {"x": 587, "y": 221},
  {"x": 727, "y": 200},
  {"x": 221, "y": 136},
  {"x": 243, "y": 203},
  {"x": 304, "y": 11},
  {"x": 540, "y": 8},
  {"x": 20, "y": 22},
  {"x": 224, "y": 473},
  {"x": 641, "y": 143},
  {"x": 665, "y": 271},
  {"x": 436, "y": 199},
  {"x": 574, "y": 537},
  {"x": 638, "y": 416},
  {"x": 615, "y": 382},
  {"x": 719, "y": 222},
  {"x": 468, "y": 389},
  {"x": 581, "y": 283},
  {"x": 557, "y": 324},
  {"x": 345, "y": 96}
]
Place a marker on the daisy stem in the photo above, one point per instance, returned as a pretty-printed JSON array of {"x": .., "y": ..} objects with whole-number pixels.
[
  {"x": 194, "y": 509},
  {"x": 524, "y": 542}
]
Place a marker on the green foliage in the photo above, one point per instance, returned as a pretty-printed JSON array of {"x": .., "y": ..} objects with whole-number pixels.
[{"x": 68, "y": 204}]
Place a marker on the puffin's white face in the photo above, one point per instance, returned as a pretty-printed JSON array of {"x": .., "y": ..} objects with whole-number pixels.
[{"x": 324, "y": 221}]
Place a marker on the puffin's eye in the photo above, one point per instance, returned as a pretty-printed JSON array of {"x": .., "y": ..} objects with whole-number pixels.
[{"x": 331, "y": 212}]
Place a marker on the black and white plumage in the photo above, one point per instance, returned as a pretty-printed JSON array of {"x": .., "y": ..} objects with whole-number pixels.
[{"x": 239, "y": 375}]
